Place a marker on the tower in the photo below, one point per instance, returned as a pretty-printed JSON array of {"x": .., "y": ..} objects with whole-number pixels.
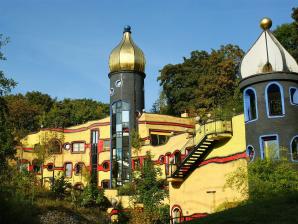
[
  {"x": 127, "y": 65},
  {"x": 270, "y": 95}
]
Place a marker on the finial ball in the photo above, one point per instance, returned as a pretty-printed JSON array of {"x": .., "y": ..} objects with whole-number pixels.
[
  {"x": 127, "y": 28},
  {"x": 266, "y": 23}
]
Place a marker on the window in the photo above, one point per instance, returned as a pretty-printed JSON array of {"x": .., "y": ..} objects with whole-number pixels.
[
  {"x": 106, "y": 165},
  {"x": 274, "y": 100},
  {"x": 106, "y": 145},
  {"x": 50, "y": 166},
  {"x": 177, "y": 158},
  {"x": 105, "y": 184},
  {"x": 78, "y": 147},
  {"x": 24, "y": 166},
  {"x": 161, "y": 159},
  {"x": 294, "y": 95},
  {"x": 136, "y": 163},
  {"x": 250, "y": 153},
  {"x": 54, "y": 146},
  {"x": 36, "y": 166},
  {"x": 269, "y": 147},
  {"x": 158, "y": 139},
  {"x": 177, "y": 215},
  {"x": 250, "y": 105},
  {"x": 79, "y": 168},
  {"x": 68, "y": 169},
  {"x": 294, "y": 148}
]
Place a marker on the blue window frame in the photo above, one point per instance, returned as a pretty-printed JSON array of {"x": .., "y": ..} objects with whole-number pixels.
[
  {"x": 274, "y": 98},
  {"x": 250, "y": 105},
  {"x": 294, "y": 95},
  {"x": 294, "y": 149},
  {"x": 269, "y": 145},
  {"x": 250, "y": 153}
]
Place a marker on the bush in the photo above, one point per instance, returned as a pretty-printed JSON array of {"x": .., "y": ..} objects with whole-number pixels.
[
  {"x": 60, "y": 186},
  {"x": 265, "y": 179}
]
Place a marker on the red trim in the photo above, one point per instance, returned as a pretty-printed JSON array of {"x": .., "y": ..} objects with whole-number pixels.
[
  {"x": 167, "y": 124},
  {"x": 65, "y": 130},
  {"x": 59, "y": 168},
  {"x": 27, "y": 149},
  {"x": 241, "y": 155}
]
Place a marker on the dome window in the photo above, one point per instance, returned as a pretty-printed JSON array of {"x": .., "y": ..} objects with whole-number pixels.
[
  {"x": 274, "y": 100},
  {"x": 294, "y": 95},
  {"x": 250, "y": 105}
]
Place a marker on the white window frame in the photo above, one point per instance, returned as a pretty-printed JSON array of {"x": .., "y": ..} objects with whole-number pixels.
[{"x": 80, "y": 148}]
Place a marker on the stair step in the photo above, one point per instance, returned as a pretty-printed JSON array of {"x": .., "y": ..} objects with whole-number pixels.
[
  {"x": 204, "y": 146},
  {"x": 206, "y": 143}
]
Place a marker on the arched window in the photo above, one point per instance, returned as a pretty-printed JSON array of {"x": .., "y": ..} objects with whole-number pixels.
[
  {"x": 177, "y": 158},
  {"x": 177, "y": 215},
  {"x": 79, "y": 167},
  {"x": 250, "y": 105},
  {"x": 294, "y": 95},
  {"x": 54, "y": 146},
  {"x": 250, "y": 153},
  {"x": 274, "y": 100},
  {"x": 294, "y": 148}
]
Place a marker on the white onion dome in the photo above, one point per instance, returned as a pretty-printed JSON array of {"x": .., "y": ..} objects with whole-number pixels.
[{"x": 267, "y": 55}]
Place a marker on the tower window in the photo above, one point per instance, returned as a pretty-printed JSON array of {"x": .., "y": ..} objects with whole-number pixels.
[
  {"x": 294, "y": 95},
  {"x": 250, "y": 105},
  {"x": 274, "y": 100},
  {"x": 269, "y": 147},
  {"x": 294, "y": 149}
]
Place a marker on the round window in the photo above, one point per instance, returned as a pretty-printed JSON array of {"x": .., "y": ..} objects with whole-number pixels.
[
  {"x": 118, "y": 83},
  {"x": 66, "y": 146},
  {"x": 105, "y": 165},
  {"x": 50, "y": 167}
]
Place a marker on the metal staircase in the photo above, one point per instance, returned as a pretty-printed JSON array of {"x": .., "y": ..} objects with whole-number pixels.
[{"x": 208, "y": 134}]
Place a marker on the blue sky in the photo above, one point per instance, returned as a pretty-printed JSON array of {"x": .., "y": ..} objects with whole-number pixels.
[{"x": 61, "y": 47}]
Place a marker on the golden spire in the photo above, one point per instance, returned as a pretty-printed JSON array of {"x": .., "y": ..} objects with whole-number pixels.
[
  {"x": 127, "y": 56},
  {"x": 266, "y": 23}
]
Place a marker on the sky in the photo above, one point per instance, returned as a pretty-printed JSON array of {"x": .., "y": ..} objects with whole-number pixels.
[{"x": 62, "y": 47}]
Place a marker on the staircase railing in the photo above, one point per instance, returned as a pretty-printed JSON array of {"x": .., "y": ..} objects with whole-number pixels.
[{"x": 214, "y": 126}]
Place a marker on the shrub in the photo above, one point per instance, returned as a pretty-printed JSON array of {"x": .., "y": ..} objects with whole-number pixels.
[{"x": 60, "y": 186}]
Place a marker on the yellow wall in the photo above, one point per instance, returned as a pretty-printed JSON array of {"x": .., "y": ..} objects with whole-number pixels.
[{"x": 191, "y": 194}]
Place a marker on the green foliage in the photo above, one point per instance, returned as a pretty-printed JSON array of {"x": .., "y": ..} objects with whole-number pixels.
[
  {"x": 149, "y": 189},
  {"x": 136, "y": 141},
  {"x": 90, "y": 196},
  {"x": 265, "y": 179},
  {"x": 287, "y": 34},
  {"x": 17, "y": 194},
  {"x": 60, "y": 187},
  {"x": 203, "y": 82},
  {"x": 127, "y": 189}
]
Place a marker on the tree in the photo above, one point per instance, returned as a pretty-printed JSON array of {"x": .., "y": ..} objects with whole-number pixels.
[
  {"x": 6, "y": 138},
  {"x": 149, "y": 190},
  {"x": 203, "y": 82},
  {"x": 287, "y": 34}
]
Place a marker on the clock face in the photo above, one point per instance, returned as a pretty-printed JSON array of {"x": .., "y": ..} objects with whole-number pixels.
[
  {"x": 118, "y": 83},
  {"x": 112, "y": 92}
]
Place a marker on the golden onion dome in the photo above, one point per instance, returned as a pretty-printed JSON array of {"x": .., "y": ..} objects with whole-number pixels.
[
  {"x": 127, "y": 56},
  {"x": 266, "y": 23}
]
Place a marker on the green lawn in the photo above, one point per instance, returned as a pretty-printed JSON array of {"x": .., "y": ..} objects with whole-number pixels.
[{"x": 281, "y": 210}]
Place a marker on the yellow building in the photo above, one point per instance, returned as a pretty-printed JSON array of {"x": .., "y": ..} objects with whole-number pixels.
[{"x": 196, "y": 157}]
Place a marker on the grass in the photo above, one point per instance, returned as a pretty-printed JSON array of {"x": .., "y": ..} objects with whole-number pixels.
[{"x": 279, "y": 210}]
